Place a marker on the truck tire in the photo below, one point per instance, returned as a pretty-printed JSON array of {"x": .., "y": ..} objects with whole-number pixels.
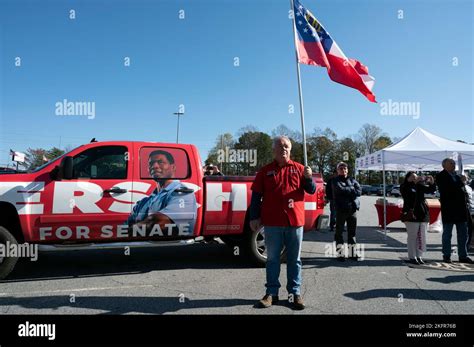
[
  {"x": 256, "y": 250},
  {"x": 7, "y": 264}
]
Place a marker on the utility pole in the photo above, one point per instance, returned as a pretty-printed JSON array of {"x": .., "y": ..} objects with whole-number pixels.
[
  {"x": 177, "y": 128},
  {"x": 223, "y": 151}
]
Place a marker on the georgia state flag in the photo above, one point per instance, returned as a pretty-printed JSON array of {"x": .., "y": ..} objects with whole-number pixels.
[{"x": 316, "y": 47}]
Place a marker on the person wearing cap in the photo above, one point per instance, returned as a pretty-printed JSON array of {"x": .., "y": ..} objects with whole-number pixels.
[
  {"x": 277, "y": 204},
  {"x": 346, "y": 192},
  {"x": 454, "y": 211}
]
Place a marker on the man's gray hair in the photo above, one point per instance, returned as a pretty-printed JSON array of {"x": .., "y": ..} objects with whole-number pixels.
[
  {"x": 277, "y": 139},
  {"x": 445, "y": 160}
]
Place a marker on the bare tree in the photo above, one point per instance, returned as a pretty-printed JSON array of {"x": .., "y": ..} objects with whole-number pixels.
[
  {"x": 246, "y": 129},
  {"x": 368, "y": 135},
  {"x": 284, "y": 130}
]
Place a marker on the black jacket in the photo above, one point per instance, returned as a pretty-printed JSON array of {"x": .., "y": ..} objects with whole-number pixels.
[
  {"x": 452, "y": 198},
  {"x": 346, "y": 192},
  {"x": 414, "y": 199},
  {"x": 329, "y": 193}
]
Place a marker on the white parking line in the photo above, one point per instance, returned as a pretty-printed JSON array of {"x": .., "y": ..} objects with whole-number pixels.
[{"x": 74, "y": 290}]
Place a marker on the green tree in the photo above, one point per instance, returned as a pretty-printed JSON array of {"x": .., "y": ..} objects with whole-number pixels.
[
  {"x": 382, "y": 142},
  {"x": 53, "y": 153},
  {"x": 321, "y": 146},
  {"x": 254, "y": 142},
  {"x": 223, "y": 141},
  {"x": 36, "y": 157},
  {"x": 348, "y": 145}
]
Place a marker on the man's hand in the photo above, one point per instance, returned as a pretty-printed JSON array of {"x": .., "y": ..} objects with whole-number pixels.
[
  {"x": 255, "y": 224},
  {"x": 308, "y": 173}
]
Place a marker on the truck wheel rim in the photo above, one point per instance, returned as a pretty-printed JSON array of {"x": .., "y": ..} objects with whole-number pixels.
[
  {"x": 2, "y": 258},
  {"x": 260, "y": 241}
]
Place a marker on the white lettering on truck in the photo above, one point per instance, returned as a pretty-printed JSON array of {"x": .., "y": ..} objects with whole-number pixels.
[
  {"x": 215, "y": 197},
  {"x": 65, "y": 197},
  {"x": 25, "y": 196}
]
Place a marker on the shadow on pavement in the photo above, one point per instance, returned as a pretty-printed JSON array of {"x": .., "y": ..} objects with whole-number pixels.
[
  {"x": 452, "y": 279},
  {"x": 366, "y": 235},
  {"x": 96, "y": 263},
  {"x": 123, "y": 304},
  {"x": 369, "y": 236},
  {"x": 416, "y": 294},
  {"x": 402, "y": 249},
  {"x": 324, "y": 262}
]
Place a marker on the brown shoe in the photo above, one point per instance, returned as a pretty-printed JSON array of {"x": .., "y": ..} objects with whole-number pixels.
[
  {"x": 298, "y": 303},
  {"x": 266, "y": 301}
]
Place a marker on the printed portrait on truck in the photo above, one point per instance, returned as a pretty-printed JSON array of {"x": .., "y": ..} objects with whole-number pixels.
[{"x": 171, "y": 208}]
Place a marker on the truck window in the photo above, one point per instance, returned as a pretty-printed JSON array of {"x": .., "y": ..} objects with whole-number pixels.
[
  {"x": 164, "y": 161},
  {"x": 108, "y": 162}
]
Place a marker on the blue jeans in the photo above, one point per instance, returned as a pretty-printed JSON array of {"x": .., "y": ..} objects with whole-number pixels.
[
  {"x": 461, "y": 233},
  {"x": 275, "y": 239}
]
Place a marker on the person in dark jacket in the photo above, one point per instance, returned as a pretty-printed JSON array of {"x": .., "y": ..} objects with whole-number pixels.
[
  {"x": 332, "y": 204},
  {"x": 470, "y": 208},
  {"x": 413, "y": 191},
  {"x": 453, "y": 210},
  {"x": 346, "y": 192}
]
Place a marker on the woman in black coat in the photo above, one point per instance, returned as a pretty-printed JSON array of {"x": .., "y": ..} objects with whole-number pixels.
[{"x": 413, "y": 191}]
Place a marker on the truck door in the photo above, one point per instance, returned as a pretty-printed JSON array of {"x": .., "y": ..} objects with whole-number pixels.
[
  {"x": 164, "y": 193},
  {"x": 96, "y": 201}
]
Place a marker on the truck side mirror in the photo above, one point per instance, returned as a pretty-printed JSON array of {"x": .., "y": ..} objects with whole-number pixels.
[
  {"x": 67, "y": 165},
  {"x": 63, "y": 170}
]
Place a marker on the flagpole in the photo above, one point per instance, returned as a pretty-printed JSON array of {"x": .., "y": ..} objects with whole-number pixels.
[{"x": 299, "y": 86}]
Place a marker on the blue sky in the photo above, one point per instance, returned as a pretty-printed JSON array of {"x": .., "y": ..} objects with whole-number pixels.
[{"x": 190, "y": 61}]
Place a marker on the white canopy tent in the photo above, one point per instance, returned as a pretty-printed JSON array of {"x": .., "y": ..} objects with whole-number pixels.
[{"x": 420, "y": 150}]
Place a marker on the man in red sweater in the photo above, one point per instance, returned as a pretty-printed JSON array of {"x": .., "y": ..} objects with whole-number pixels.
[{"x": 278, "y": 205}]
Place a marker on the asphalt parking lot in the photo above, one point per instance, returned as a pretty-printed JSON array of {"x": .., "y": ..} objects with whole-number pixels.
[{"x": 209, "y": 279}]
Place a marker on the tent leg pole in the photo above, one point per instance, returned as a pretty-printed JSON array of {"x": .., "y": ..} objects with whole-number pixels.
[{"x": 384, "y": 197}]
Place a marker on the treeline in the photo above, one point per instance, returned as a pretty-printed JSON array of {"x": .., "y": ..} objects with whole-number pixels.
[
  {"x": 35, "y": 157},
  {"x": 235, "y": 154}
]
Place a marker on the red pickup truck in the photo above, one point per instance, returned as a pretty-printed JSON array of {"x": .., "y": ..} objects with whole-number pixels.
[{"x": 105, "y": 195}]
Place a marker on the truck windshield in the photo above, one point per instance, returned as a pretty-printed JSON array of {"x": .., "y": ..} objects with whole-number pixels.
[{"x": 46, "y": 164}]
